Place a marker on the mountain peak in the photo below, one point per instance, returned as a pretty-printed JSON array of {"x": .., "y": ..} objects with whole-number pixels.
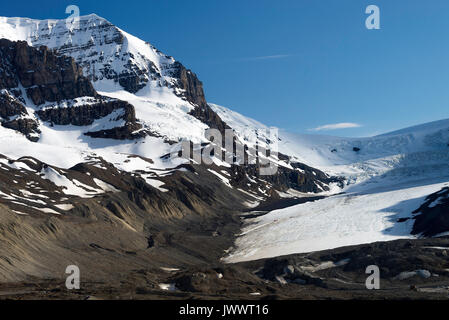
[
  {"x": 110, "y": 57},
  {"x": 24, "y": 20},
  {"x": 125, "y": 67}
]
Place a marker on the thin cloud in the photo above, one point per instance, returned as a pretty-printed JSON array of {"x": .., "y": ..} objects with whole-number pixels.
[
  {"x": 337, "y": 126},
  {"x": 272, "y": 57}
]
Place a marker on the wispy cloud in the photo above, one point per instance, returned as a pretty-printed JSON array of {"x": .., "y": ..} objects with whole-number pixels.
[
  {"x": 336, "y": 126},
  {"x": 272, "y": 57}
]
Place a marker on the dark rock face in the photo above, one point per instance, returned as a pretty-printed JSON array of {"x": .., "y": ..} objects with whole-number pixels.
[
  {"x": 49, "y": 77},
  {"x": 194, "y": 93},
  {"x": 10, "y": 106},
  {"x": 210, "y": 117},
  {"x": 45, "y": 75},
  {"x": 307, "y": 180},
  {"x": 133, "y": 79},
  {"x": 190, "y": 85},
  {"x": 129, "y": 131},
  {"x": 13, "y": 115},
  {"x": 25, "y": 126},
  {"x": 86, "y": 114},
  {"x": 433, "y": 215}
]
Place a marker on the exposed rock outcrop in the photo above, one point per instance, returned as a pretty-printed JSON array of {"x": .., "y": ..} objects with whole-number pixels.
[
  {"x": 27, "y": 126},
  {"x": 86, "y": 114},
  {"x": 432, "y": 218},
  {"x": 129, "y": 131},
  {"x": 205, "y": 114},
  {"x": 45, "y": 75},
  {"x": 191, "y": 88},
  {"x": 14, "y": 115},
  {"x": 10, "y": 106},
  {"x": 306, "y": 179}
]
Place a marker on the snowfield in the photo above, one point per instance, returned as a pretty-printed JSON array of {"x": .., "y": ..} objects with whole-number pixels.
[{"x": 387, "y": 178}]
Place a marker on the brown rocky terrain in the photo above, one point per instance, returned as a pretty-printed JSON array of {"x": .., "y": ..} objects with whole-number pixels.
[
  {"x": 432, "y": 218},
  {"x": 408, "y": 270}
]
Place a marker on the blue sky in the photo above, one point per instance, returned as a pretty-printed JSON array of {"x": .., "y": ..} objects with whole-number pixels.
[{"x": 297, "y": 64}]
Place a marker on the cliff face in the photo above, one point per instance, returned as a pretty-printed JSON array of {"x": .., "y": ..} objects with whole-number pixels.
[
  {"x": 45, "y": 75},
  {"x": 85, "y": 115},
  {"x": 103, "y": 51},
  {"x": 14, "y": 115},
  {"x": 10, "y": 106},
  {"x": 191, "y": 87},
  {"x": 432, "y": 218},
  {"x": 42, "y": 76}
]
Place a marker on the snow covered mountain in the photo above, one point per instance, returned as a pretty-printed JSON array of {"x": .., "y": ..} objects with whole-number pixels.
[
  {"x": 105, "y": 52},
  {"x": 92, "y": 121},
  {"x": 120, "y": 65},
  {"x": 96, "y": 94}
]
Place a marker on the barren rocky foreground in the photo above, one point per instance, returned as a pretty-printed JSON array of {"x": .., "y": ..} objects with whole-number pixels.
[{"x": 182, "y": 261}]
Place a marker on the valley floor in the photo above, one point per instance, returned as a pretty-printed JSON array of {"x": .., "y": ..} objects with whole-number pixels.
[{"x": 337, "y": 274}]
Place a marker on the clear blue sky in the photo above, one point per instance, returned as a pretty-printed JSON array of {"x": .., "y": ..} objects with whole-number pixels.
[{"x": 325, "y": 66}]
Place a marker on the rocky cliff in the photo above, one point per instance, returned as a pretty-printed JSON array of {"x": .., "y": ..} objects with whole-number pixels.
[
  {"x": 114, "y": 59},
  {"x": 43, "y": 76}
]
